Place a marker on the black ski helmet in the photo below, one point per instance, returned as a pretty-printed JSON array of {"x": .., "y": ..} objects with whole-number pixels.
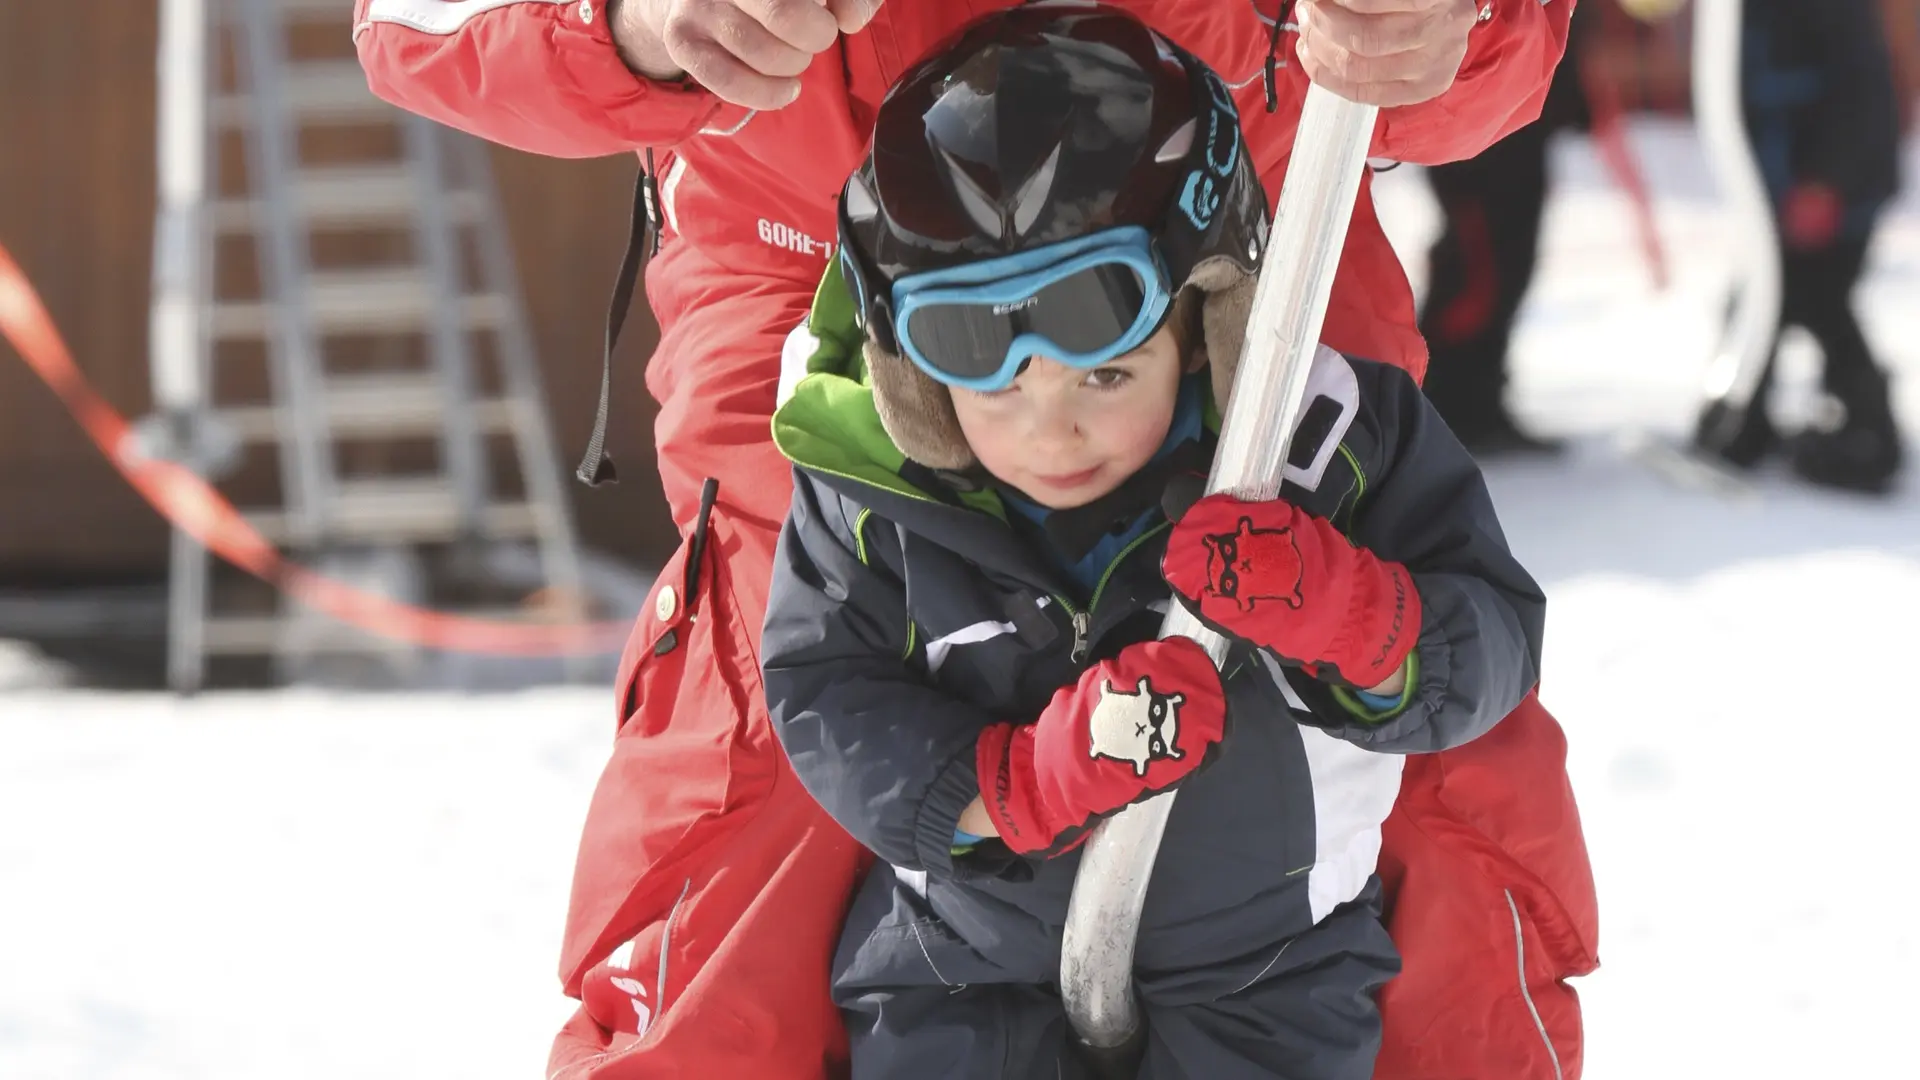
[{"x": 1040, "y": 124}]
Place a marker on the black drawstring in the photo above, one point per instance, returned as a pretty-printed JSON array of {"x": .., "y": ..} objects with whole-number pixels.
[
  {"x": 643, "y": 242},
  {"x": 690, "y": 583},
  {"x": 1269, "y": 78},
  {"x": 697, "y": 548}
]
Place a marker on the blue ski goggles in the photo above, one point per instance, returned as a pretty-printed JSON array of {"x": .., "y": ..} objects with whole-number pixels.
[{"x": 1081, "y": 302}]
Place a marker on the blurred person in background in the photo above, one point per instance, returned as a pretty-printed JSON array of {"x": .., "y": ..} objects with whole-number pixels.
[
  {"x": 1481, "y": 265},
  {"x": 1823, "y": 115}
]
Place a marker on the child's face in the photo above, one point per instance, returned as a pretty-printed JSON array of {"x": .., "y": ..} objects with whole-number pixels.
[{"x": 1066, "y": 436}]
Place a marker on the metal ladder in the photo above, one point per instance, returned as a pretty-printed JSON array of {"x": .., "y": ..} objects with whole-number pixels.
[{"x": 423, "y": 317}]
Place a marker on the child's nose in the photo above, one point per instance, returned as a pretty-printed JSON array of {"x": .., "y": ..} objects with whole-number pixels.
[{"x": 1054, "y": 428}]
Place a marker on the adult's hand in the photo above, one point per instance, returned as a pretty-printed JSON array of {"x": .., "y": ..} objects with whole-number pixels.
[
  {"x": 1385, "y": 52},
  {"x": 747, "y": 52}
]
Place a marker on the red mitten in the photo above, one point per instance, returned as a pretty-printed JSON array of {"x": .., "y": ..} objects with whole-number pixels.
[
  {"x": 1811, "y": 217},
  {"x": 1274, "y": 575},
  {"x": 1132, "y": 726}
]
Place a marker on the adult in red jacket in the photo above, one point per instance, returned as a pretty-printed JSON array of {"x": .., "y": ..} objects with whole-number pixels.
[{"x": 709, "y": 888}]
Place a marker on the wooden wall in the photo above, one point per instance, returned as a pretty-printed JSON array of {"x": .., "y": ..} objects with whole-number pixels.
[{"x": 76, "y": 209}]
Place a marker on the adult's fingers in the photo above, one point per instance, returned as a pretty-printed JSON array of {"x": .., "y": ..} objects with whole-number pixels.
[
  {"x": 1324, "y": 60},
  {"x": 758, "y": 47},
  {"x": 1386, "y": 95},
  {"x": 804, "y": 24},
  {"x": 853, "y": 15},
  {"x": 747, "y": 52},
  {"x": 1365, "y": 34},
  {"x": 1344, "y": 59},
  {"x": 1366, "y": 79},
  {"x": 727, "y": 77},
  {"x": 1385, "y": 7}
]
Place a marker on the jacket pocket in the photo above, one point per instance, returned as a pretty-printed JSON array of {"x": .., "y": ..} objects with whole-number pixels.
[
  {"x": 1509, "y": 791},
  {"x": 627, "y": 991},
  {"x": 893, "y": 939},
  {"x": 1552, "y": 1007},
  {"x": 1491, "y": 904}
]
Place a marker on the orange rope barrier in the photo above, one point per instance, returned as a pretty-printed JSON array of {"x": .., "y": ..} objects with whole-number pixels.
[{"x": 197, "y": 509}]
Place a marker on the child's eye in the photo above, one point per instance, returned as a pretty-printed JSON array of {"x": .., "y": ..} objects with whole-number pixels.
[{"x": 1108, "y": 378}]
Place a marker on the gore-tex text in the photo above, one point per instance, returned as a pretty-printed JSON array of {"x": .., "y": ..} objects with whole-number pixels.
[{"x": 781, "y": 235}]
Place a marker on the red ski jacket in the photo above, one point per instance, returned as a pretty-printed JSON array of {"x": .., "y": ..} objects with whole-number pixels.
[
  {"x": 755, "y": 191},
  {"x": 710, "y": 888}
]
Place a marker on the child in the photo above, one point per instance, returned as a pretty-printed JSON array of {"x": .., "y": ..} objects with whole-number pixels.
[
  {"x": 1822, "y": 113},
  {"x": 1050, "y": 248}
]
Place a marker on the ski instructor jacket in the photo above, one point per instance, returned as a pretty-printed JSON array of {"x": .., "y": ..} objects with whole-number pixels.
[
  {"x": 907, "y": 616},
  {"x": 709, "y": 887}
]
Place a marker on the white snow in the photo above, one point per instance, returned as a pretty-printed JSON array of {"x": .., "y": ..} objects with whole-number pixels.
[
  {"x": 287, "y": 885},
  {"x": 300, "y": 885}
]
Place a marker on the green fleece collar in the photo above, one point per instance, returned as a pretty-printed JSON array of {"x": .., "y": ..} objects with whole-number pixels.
[{"x": 828, "y": 424}]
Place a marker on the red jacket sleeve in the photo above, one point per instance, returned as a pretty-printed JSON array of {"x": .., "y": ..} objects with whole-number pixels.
[
  {"x": 1501, "y": 86},
  {"x": 538, "y": 75}
]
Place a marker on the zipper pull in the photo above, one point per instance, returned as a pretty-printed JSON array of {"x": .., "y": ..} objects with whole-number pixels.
[{"x": 1082, "y": 620}]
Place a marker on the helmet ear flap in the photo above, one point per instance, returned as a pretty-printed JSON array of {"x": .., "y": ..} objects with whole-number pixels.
[
  {"x": 1227, "y": 303},
  {"x": 916, "y": 411}
]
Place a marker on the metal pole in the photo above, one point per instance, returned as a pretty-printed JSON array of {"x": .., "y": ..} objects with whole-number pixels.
[
  {"x": 180, "y": 147},
  {"x": 1290, "y": 303},
  {"x": 176, "y": 319},
  {"x": 1733, "y": 376},
  {"x": 306, "y": 455},
  {"x": 462, "y": 448}
]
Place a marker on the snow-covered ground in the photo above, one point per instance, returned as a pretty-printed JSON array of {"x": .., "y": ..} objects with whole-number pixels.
[
  {"x": 287, "y": 886},
  {"x": 307, "y": 886}
]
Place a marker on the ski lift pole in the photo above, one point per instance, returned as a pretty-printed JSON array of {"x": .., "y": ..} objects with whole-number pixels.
[
  {"x": 176, "y": 321},
  {"x": 1290, "y": 303},
  {"x": 1733, "y": 376}
]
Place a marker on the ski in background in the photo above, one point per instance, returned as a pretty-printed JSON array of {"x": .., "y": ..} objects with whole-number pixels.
[{"x": 1734, "y": 374}]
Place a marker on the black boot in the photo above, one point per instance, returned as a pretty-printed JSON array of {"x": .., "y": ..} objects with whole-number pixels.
[
  {"x": 1863, "y": 452},
  {"x": 1741, "y": 438},
  {"x": 1469, "y": 399},
  {"x": 1494, "y": 434}
]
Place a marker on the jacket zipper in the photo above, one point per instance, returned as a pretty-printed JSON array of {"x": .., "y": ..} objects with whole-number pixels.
[{"x": 1083, "y": 620}]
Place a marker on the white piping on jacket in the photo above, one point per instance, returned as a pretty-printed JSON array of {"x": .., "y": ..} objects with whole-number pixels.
[
  {"x": 668, "y": 185},
  {"x": 938, "y": 648},
  {"x": 438, "y": 17},
  {"x": 666, "y": 940},
  {"x": 1520, "y": 949}
]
